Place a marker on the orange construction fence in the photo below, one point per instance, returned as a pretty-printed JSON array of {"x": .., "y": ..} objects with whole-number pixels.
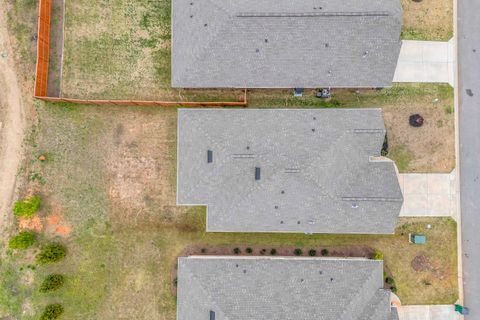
[
  {"x": 41, "y": 74},
  {"x": 43, "y": 48}
]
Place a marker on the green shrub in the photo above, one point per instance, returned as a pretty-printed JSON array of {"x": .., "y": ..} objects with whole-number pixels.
[
  {"x": 312, "y": 252},
  {"x": 273, "y": 252},
  {"x": 23, "y": 240},
  {"x": 51, "y": 283},
  {"x": 324, "y": 252},
  {"x": 393, "y": 289},
  {"x": 51, "y": 253},
  {"x": 249, "y": 250},
  {"x": 389, "y": 280},
  {"x": 27, "y": 207},
  {"x": 52, "y": 312},
  {"x": 237, "y": 251},
  {"x": 298, "y": 252},
  {"x": 377, "y": 255}
]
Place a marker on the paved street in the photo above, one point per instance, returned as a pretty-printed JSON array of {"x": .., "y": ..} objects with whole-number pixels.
[{"x": 469, "y": 126}]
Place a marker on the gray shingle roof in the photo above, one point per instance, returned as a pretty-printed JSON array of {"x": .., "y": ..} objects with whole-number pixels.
[
  {"x": 246, "y": 288},
  {"x": 316, "y": 171},
  {"x": 284, "y": 43}
]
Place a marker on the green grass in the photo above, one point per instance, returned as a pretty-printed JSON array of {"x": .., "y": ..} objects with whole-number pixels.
[{"x": 402, "y": 157}]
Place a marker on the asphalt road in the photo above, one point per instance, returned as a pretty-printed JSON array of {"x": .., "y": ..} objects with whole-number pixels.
[{"x": 469, "y": 131}]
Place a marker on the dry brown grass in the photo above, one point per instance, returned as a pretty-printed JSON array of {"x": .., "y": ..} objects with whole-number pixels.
[{"x": 428, "y": 19}]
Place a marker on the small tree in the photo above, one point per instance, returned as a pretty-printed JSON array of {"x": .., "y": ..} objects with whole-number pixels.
[
  {"x": 389, "y": 280},
  {"x": 27, "y": 207},
  {"x": 377, "y": 255},
  {"x": 248, "y": 250},
  {"x": 273, "y": 252},
  {"x": 324, "y": 252},
  {"x": 51, "y": 253},
  {"x": 51, "y": 283},
  {"x": 312, "y": 252},
  {"x": 298, "y": 252},
  {"x": 23, "y": 240},
  {"x": 52, "y": 312},
  {"x": 237, "y": 250}
]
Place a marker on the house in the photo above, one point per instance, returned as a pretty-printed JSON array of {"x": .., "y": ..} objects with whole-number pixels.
[
  {"x": 288, "y": 170},
  {"x": 284, "y": 43},
  {"x": 245, "y": 288}
]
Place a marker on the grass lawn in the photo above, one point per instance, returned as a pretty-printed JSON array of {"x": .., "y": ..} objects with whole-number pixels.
[
  {"x": 111, "y": 180},
  {"x": 427, "y": 20}
]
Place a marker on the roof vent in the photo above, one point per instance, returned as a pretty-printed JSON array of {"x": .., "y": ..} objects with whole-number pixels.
[
  {"x": 212, "y": 315},
  {"x": 209, "y": 156},
  {"x": 326, "y": 45},
  {"x": 257, "y": 50},
  {"x": 257, "y": 173},
  {"x": 354, "y": 205},
  {"x": 266, "y": 40},
  {"x": 365, "y": 54}
]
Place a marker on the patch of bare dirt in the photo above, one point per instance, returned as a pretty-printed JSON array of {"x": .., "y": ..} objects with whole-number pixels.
[
  {"x": 140, "y": 157},
  {"x": 12, "y": 123},
  {"x": 32, "y": 224},
  {"x": 422, "y": 263}
]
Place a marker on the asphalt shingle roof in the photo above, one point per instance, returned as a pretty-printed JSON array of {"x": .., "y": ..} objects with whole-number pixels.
[
  {"x": 285, "y": 43},
  {"x": 246, "y": 288},
  {"x": 316, "y": 170}
]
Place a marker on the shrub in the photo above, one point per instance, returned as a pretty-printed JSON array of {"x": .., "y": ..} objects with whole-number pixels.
[
  {"x": 312, "y": 252},
  {"x": 249, "y": 250},
  {"x": 27, "y": 207},
  {"x": 298, "y": 252},
  {"x": 393, "y": 289},
  {"x": 23, "y": 240},
  {"x": 389, "y": 280},
  {"x": 204, "y": 250},
  {"x": 51, "y": 253},
  {"x": 237, "y": 250},
  {"x": 51, "y": 283},
  {"x": 175, "y": 282},
  {"x": 52, "y": 311},
  {"x": 324, "y": 252},
  {"x": 263, "y": 251},
  {"x": 273, "y": 252},
  {"x": 377, "y": 255}
]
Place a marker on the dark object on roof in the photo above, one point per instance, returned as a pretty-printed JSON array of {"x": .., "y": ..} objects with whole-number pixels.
[
  {"x": 257, "y": 173},
  {"x": 322, "y": 181},
  {"x": 416, "y": 120},
  {"x": 307, "y": 288},
  {"x": 285, "y": 43},
  {"x": 209, "y": 156},
  {"x": 323, "y": 93},
  {"x": 212, "y": 315}
]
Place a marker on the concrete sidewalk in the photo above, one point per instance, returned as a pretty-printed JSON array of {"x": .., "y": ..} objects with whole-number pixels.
[
  {"x": 428, "y": 194},
  {"x": 426, "y": 61},
  {"x": 428, "y": 312}
]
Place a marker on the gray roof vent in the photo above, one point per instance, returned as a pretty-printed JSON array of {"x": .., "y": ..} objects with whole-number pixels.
[
  {"x": 257, "y": 173},
  {"x": 212, "y": 315},
  {"x": 209, "y": 156},
  {"x": 365, "y": 54}
]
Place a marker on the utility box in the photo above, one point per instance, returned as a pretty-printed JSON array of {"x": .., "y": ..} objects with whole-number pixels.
[{"x": 417, "y": 238}]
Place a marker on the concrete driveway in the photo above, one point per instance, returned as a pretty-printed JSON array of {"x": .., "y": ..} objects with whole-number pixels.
[
  {"x": 426, "y": 61},
  {"x": 428, "y": 312},
  {"x": 428, "y": 194}
]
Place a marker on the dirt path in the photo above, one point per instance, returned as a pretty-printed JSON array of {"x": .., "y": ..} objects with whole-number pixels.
[{"x": 12, "y": 124}]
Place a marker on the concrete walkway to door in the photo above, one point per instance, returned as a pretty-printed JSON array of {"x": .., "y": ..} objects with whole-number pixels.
[
  {"x": 426, "y": 61},
  {"x": 428, "y": 194},
  {"x": 428, "y": 312}
]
